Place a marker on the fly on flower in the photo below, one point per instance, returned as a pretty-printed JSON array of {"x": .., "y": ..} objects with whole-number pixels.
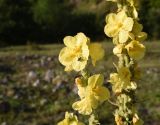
[{"x": 75, "y": 55}]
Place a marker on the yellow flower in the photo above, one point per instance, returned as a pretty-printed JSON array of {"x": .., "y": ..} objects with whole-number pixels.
[
  {"x": 135, "y": 50},
  {"x": 137, "y": 33},
  {"x": 75, "y": 55},
  {"x": 70, "y": 119},
  {"x": 96, "y": 52},
  {"x": 91, "y": 95},
  {"x": 119, "y": 25},
  {"x": 120, "y": 80}
]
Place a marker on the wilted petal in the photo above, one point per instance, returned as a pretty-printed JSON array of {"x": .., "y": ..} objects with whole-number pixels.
[
  {"x": 121, "y": 16},
  {"x": 96, "y": 52},
  {"x": 137, "y": 27},
  {"x": 141, "y": 36},
  {"x": 79, "y": 64}
]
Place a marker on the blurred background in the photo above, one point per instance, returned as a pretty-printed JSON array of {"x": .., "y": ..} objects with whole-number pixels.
[
  {"x": 35, "y": 90},
  {"x": 48, "y": 21}
]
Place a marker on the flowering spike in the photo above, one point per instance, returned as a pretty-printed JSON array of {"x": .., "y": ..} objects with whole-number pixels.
[{"x": 127, "y": 35}]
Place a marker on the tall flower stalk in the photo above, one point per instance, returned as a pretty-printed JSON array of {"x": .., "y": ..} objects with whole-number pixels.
[{"x": 126, "y": 31}]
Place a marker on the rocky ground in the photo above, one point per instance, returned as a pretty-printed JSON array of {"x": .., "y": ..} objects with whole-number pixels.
[{"x": 34, "y": 89}]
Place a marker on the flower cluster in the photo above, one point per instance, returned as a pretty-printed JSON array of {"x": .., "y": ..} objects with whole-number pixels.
[
  {"x": 75, "y": 56},
  {"x": 125, "y": 30},
  {"x": 128, "y": 36}
]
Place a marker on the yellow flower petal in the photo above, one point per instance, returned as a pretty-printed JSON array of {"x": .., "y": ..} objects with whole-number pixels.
[
  {"x": 101, "y": 93},
  {"x": 66, "y": 56},
  {"x": 85, "y": 51},
  {"x": 81, "y": 39},
  {"x": 111, "y": 18},
  {"x": 136, "y": 50},
  {"x": 128, "y": 24},
  {"x": 111, "y": 30},
  {"x": 123, "y": 36},
  {"x": 116, "y": 40},
  {"x": 96, "y": 52},
  {"x": 95, "y": 80},
  {"x": 121, "y": 16},
  {"x": 81, "y": 88},
  {"x": 68, "y": 68},
  {"x": 83, "y": 106},
  {"x": 70, "y": 41}
]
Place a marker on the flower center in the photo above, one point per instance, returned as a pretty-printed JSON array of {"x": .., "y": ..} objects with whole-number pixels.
[
  {"x": 75, "y": 52},
  {"x": 119, "y": 25},
  {"x": 76, "y": 49}
]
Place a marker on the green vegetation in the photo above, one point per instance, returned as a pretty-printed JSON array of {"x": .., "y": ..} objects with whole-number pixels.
[
  {"x": 50, "y": 20},
  {"x": 35, "y": 100}
]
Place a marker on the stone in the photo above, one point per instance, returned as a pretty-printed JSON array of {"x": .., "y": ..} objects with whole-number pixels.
[
  {"x": 48, "y": 76},
  {"x": 36, "y": 83},
  {"x": 31, "y": 76}
]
